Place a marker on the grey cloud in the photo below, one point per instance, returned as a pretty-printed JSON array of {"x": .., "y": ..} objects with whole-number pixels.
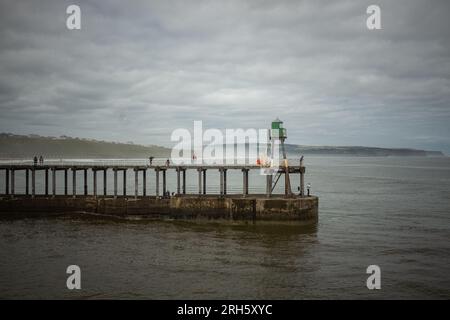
[{"x": 139, "y": 69}]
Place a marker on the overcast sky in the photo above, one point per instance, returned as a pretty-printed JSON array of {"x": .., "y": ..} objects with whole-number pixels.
[{"x": 139, "y": 69}]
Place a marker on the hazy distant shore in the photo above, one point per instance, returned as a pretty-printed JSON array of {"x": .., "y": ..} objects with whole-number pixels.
[{"x": 25, "y": 147}]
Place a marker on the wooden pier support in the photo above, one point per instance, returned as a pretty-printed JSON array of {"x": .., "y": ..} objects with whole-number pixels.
[
  {"x": 115, "y": 182},
  {"x": 268, "y": 184},
  {"x": 184, "y": 181},
  {"x": 124, "y": 182},
  {"x": 178, "y": 181},
  {"x": 245, "y": 182},
  {"x": 12, "y": 183},
  {"x": 94, "y": 177},
  {"x": 221, "y": 181},
  {"x": 66, "y": 189},
  {"x": 164, "y": 182},
  {"x": 7, "y": 181},
  {"x": 199, "y": 180},
  {"x": 33, "y": 182},
  {"x": 136, "y": 181},
  {"x": 144, "y": 182},
  {"x": 104, "y": 182},
  {"x": 224, "y": 181},
  {"x": 204, "y": 181},
  {"x": 27, "y": 182},
  {"x": 46, "y": 182},
  {"x": 85, "y": 182},
  {"x": 53, "y": 182},
  {"x": 157, "y": 182},
  {"x": 74, "y": 182}
]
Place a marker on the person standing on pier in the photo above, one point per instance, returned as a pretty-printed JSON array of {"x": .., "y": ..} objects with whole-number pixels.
[
  {"x": 151, "y": 160},
  {"x": 35, "y": 160},
  {"x": 41, "y": 159},
  {"x": 167, "y": 162}
]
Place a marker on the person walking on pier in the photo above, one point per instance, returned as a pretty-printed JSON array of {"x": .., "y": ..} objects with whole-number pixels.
[
  {"x": 167, "y": 162},
  {"x": 41, "y": 159},
  {"x": 35, "y": 160},
  {"x": 151, "y": 160}
]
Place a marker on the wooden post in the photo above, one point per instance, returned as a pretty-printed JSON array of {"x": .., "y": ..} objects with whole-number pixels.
[
  {"x": 33, "y": 183},
  {"x": 204, "y": 181},
  {"x": 27, "y": 182},
  {"x": 66, "y": 191},
  {"x": 144, "y": 182},
  {"x": 85, "y": 182},
  {"x": 53, "y": 182},
  {"x": 286, "y": 181},
  {"x": 104, "y": 182},
  {"x": 221, "y": 181},
  {"x": 124, "y": 182},
  {"x": 199, "y": 180},
  {"x": 94, "y": 175},
  {"x": 46, "y": 182},
  {"x": 268, "y": 184},
  {"x": 136, "y": 178},
  {"x": 115, "y": 183},
  {"x": 74, "y": 182},
  {"x": 164, "y": 182},
  {"x": 184, "y": 181},
  {"x": 245, "y": 182},
  {"x": 7, "y": 181},
  {"x": 12, "y": 183},
  {"x": 224, "y": 181},
  {"x": 157, "y": 181},
  {"x": 178, "y": 181}
]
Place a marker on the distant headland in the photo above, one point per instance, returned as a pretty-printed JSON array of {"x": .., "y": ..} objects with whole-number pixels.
[{"x": 14, "y": 146}]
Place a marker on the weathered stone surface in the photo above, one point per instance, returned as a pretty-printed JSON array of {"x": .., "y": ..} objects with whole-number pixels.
[{"x": 185, "y": 207}]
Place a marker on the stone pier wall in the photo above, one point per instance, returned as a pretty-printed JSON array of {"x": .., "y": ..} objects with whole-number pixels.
[{"x": 184, "y": 207}]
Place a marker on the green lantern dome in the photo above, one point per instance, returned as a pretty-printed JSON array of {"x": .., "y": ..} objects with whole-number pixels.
[{"x": 277, "y": 131}]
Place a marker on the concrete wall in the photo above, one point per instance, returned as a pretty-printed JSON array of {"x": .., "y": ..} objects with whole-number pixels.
[{"x": 190, "y": 207}]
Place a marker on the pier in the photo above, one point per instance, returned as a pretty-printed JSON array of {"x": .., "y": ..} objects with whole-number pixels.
[{"x": 285, "y": 206}]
